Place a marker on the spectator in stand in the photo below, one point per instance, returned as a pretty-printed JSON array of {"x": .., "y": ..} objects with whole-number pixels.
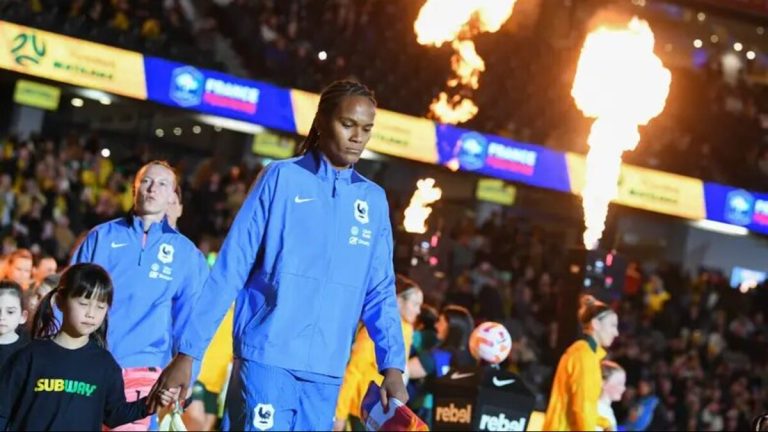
[
  {"x": 38, "y": 292},
  {"x": 642, "y": 413},
  {"x": 175, "y": 207},
  {"x": 454, "y": 325},
  {"x": 18, "y": 268},
  {"x": 45, "y": 266}
]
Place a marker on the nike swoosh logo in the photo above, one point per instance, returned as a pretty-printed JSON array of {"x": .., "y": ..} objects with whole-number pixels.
[
  {"x": 457, "y": 375},
  {"x": 118, "y": 245},
  {"x": 298, "y": 200},
  {"x": 501, "y": 383}
]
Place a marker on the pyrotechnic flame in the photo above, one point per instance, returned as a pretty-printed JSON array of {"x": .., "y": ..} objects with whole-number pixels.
[
  {"x": 623, "y": 84},
  {"x": 456, "y": 110},
  {"x": 457, "y": 21},
  {"x": 419, "y": 209},
  {"x": 466, "y": 64}
]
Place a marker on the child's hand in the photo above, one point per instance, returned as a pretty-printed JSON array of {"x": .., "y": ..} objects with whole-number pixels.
[{"x": 169, "y": 396}]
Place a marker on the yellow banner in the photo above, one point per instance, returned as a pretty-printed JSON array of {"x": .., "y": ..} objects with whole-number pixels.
[
  {"x": 74, "y": 61},
  {"x": 273, "y": 145},
  {"x": 37, "y": 95},
  {"x": 648, "y": 189},
  {"x": 495, "y": 191},
  {"x": 394, "y": 134}
]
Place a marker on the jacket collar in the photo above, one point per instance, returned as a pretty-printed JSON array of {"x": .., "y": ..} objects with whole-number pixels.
[
  {"x": 137, "y": 225},
  {"x": 316, "y": 163},
  {"x": 597, "y": 349}
]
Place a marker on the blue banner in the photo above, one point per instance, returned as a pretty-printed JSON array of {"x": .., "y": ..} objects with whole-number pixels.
[
  {"x": 217, "y": 93},
  {"x": 736, "y": 207},
  {"x": 502, "y": 158}
]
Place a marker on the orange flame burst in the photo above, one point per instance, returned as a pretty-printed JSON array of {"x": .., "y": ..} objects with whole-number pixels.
[
  {"x": 622, "y": 84},
  {"x": 419, "y": 209},
  {"x": 457, "y": 21}
]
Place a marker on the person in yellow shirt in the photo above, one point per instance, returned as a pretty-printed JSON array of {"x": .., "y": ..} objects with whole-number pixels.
[
  {"x": 362, "y": 369},
  {"x": 578, "y": 380},
  {"x": 203, "y": 412},
  {"x": 655, "y": 296}
]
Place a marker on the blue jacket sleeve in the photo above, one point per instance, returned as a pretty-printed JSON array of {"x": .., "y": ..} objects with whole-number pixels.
[
  {"x": 185, "y": 300},
  {"x": 381, "y": 315},
  {"x": 233, "y": 265},
  {"x": 84, "y": 252}
]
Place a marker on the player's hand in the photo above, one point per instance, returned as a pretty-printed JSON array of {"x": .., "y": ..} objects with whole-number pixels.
[
  {"x": 175, "y": 377},
  {"x": 339, "y": 425},
  {"x": 392, "y": 387},
  {"x": 169, "y": 396}
]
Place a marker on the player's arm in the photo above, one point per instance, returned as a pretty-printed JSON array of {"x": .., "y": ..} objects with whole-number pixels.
[
  {"x": 85, "y": 251},
  {"x": 233, "y": 266},
  {"x": 380, "y": 314}
]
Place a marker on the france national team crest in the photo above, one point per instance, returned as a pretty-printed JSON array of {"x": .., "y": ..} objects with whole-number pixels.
[
  {"x": 739, "y": 205},
  {"x": 361, "y": 211},
  {"x": 263, "y": 416},
  {"x": 472, "y": 151},
  {"x": 165, "y": 254},
  {"x": 187, "y": 86}
]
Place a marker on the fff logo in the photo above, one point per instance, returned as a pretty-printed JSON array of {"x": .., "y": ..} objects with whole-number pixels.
[{"x": 28, "y": 49}]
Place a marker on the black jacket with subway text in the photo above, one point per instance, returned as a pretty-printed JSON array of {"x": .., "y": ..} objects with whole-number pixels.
[{"x": 45, "y": 386}]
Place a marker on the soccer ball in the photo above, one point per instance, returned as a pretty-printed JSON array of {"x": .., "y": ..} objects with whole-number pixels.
[{"x": 491, "y": 342}]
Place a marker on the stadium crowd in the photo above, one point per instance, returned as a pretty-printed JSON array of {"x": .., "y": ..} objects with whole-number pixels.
[{"x": 694, "y": 349}]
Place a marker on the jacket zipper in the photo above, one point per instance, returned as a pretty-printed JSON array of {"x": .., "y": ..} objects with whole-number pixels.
[
  {"x": 328, "y": 250},
  {"x": 144, "y": 238}
]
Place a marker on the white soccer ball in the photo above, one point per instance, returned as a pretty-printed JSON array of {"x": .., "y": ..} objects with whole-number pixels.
[{"x": 490, "y": 342}]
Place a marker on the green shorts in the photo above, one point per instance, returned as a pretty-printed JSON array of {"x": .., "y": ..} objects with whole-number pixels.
[{"x": 210, "y": 400}]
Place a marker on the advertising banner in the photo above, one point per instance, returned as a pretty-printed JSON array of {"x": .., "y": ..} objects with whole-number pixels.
[
  {"x": 495, "y": 191},
  {"x": 273, "y": 145},
  {"x": 37, "y": 95},
  {"x": 648, "y": 189},
  {"x": 74, "y": 61},
  {"x": 737, "y": 207},
  {"x": 394, "y": 134},
  {"x": 217, "y": 93},
  {"x": 483, "y": 399},
  {"x": 501, "y": 158}
]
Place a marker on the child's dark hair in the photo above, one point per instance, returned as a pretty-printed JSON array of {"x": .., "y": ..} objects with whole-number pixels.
[
  {"x": 427, "y": 318},
  {"x": 460, "y": 326},
  {"x": 592, "y": 308},
  {"x": 50, "y": 280},
  {"x": 9, "y": 287},
  {"x": 330, "y": 99},
  {"x": 80, "y": 280}
]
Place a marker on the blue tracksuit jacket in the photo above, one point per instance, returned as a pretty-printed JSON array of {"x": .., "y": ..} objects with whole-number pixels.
[
  {"x": 310, "y": 253},
  {"x": 156, "y": 287}
]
